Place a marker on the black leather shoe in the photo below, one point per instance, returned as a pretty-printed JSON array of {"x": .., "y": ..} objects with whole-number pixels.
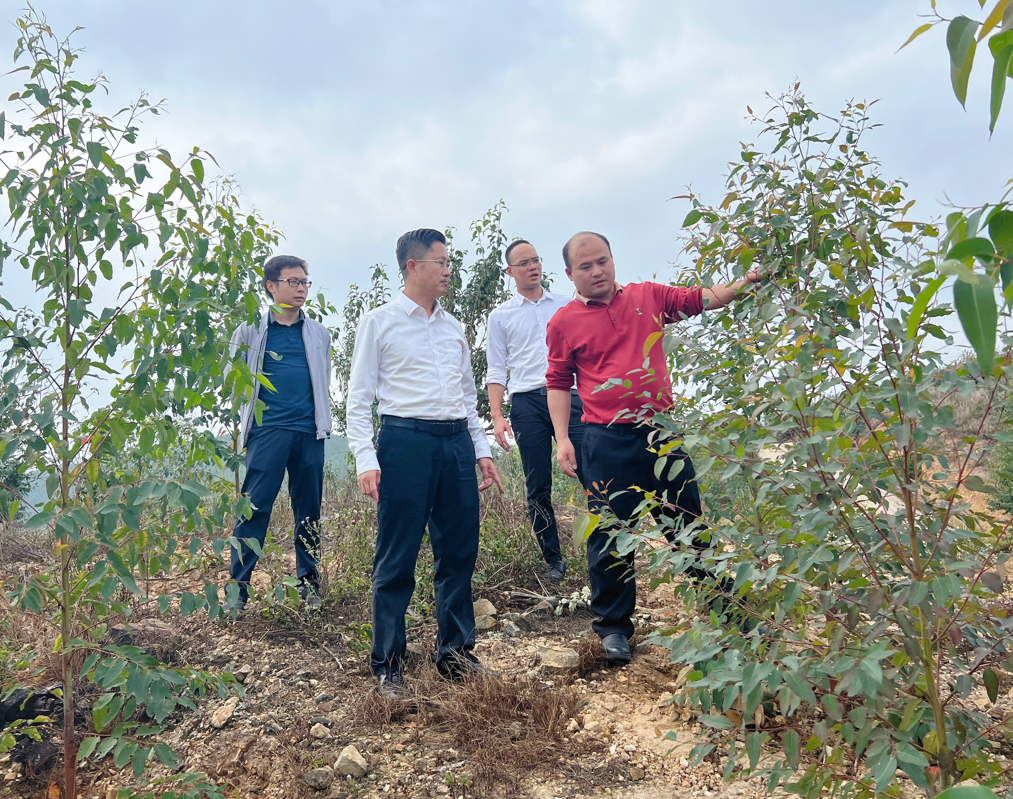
[
  {"x": 391, "y": 686},
  {"x": 556, "y": 572},
  {"x": 463, "y": 666},
  {"x": 616, "y": 648}
]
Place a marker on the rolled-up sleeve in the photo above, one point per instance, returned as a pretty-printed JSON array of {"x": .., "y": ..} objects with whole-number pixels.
[
  {"x": 362, "y": 385},
  {"x": 496, "y": 352},
  {"x": 560, "y": 373},
  {"x": 679, "y": 302}
]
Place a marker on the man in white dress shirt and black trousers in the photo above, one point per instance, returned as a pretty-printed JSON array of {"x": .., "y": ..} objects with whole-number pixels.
[
  {"x": 517, "y": 358},
  {"x": 413, "y": 358}
]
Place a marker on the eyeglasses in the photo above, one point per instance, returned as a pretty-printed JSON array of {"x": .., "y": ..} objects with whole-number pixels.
[
  {"x": 441, "y": 261},
  {"x": 527, "y": 262},
  {"x": 295, "y": 282}
]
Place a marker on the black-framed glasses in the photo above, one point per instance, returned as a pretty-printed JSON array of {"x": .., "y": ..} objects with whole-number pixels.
[
  {"x": 295, "y": 282},
  {"x": 528, "y": 262}
]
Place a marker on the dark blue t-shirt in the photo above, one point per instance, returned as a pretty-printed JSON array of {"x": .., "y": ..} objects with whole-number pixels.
[{"x": 290, "y": 405}]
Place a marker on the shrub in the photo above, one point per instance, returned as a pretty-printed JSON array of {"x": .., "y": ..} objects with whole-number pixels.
[{"x": 854, "y": 588}]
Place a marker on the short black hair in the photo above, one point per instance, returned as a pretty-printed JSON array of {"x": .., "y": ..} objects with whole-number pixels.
[
  {"x": 278, "y": 264},
  {"x": 415, "y": 243},
  {"x": 510, "y": 248},
  {"x": 566, "y": 247}
]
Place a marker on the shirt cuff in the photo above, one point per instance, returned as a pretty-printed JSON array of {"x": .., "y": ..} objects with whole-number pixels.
[
  {"x": 366, "y": 462},
  {"x": 482, "y": 448}
]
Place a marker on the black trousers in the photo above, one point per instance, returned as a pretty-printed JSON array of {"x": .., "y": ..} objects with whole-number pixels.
[
  {"x": 270, "y": 452},
  {"x": 615, "y": 458},
  {"x": 425, "y": 479},
  {"x": 532, "y": 425}
]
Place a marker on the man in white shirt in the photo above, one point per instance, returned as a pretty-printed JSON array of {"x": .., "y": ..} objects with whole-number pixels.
[
  {"x": 517, "y": 357},
  {"x": 412, "y": 357}
]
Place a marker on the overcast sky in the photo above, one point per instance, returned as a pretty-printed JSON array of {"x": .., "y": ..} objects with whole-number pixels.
[{"x": 348, "y": 123}]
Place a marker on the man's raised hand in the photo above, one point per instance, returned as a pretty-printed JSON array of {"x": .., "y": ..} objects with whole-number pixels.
[
  {"x": 369, "y": 484},
  {"x": 566, "y": 457},
  {"x": 490, "y": 474}
]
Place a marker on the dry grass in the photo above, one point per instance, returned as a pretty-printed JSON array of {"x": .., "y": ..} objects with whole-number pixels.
[
  {"x": 591, "y": 656},
  {"x": 503, "y": 726}
]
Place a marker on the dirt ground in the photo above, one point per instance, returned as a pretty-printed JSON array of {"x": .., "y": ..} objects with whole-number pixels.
[{"x": 309, "y": 694}]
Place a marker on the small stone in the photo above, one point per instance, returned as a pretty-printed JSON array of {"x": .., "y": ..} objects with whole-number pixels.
[
  {"x": 484, "y": 607},
  {"x": 324, "y": 698},
  {"x": 484, "y": 624},
  {"x": 351, "y": 764},
  {"x": 637, "y": 773},
  {"x": 243, "y": 674},
  {"x": 573, "y": 726},
  {"x": 558, "y": 660},
  {"x": 272, "y": 728},
  {"x": 511, "y": 629},
  {"x": 542, "y": 607},
  {"x": 319, "y": 779},
  {"x": 519, "y": 620},
  {"x": 592, "y": 726},
  {"x": 221, "y": 716},
  {"x": 319, "y": 731}
]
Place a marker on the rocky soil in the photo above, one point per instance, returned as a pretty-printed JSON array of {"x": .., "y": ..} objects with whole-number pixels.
[{"x": 311, "y": 725}]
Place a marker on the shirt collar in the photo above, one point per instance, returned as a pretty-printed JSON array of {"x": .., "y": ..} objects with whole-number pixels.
[
  {"x": 409, "y": 306},
  {"x": 271, "y": 320},
  {"x": 585, "y": 300},
  {"x": 520, "y": 299}
]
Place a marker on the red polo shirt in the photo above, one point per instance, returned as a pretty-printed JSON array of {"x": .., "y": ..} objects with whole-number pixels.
[{"x": 599, "y": 342}]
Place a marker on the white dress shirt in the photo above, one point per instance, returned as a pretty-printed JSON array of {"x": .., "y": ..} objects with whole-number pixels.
[
  {"x": 417, "y": 367},
  {"x": 515, "y": 341}
]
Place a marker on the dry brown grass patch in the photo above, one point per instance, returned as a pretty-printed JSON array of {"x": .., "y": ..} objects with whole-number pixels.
[
  {"x": 591, "y": 656},
  {"x": 504, "y": 727}
]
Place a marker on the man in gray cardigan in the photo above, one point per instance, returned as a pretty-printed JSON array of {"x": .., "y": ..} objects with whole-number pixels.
[{"x": 294, "y": 353}]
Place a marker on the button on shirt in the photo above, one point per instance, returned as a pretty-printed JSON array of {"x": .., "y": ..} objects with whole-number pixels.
[
  {"x": 416, "y": 367},
  {"x": 600, "y": 343},
  {"x": 290, "y": 405},
  {"x": 516, "y": 341}
]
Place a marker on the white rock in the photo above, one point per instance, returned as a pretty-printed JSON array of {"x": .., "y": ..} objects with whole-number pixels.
[
  {"x": 318, "y": 730},
  {"x": 484, "y": 624},
  {"x": 221, "y": 716},
  {"x": 484, "y": 608},
  {"x": 558, "y": 660},
  {"x": 351, "y": 764}
]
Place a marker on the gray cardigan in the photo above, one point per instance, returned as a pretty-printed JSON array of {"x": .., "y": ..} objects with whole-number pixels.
[{"x": 318, "y": 357}]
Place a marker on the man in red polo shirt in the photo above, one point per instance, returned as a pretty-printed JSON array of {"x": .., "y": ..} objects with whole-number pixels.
[{"x": 600, "y": 339}]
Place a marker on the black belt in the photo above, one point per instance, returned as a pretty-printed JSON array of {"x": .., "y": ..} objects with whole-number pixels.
[
  {"x": 441, "y": 427},
  {"x": 543, "y": 391}
]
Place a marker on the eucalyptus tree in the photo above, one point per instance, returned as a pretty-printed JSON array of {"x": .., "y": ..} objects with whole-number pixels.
[{"x": 139, "y": 267}]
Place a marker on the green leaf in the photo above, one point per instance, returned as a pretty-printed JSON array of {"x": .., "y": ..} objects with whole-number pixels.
[
  {"x": 753, "y": 748},
  {"x": 791, "y": 748},
  {"x": 975, "y": 483},
  {"x": 967, "y": 792},
  {"x": 921, "y": 304},
  {"x": 960, "y": 42},
  {"x": 198, "y": 169},
  {"x": 140, "y": 760},
  {"x": 583, "y": 526},
  {"x": 39, "y": 520},
  {"x": 971, "y": 248},
  {"x": 1000, "y": 74},
  {"x": 95, "y": 153},
  {"x": 799, "y": 687},
  {"x": 692, "y": 217},
  {"x": 991, "y": 680},
  {"x": 1000, "y": 230},
  {"x": 979, "y": 317},
  {"x": 87, "y": 747}
]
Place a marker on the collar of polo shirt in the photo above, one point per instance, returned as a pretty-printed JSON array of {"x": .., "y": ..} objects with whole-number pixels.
[{"x": 585, "y": 300}]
